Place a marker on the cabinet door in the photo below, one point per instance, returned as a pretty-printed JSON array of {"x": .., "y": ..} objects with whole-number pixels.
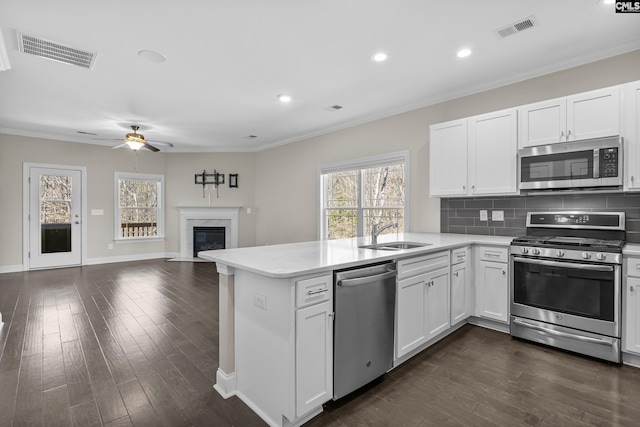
[
  {"x": 631, "y": 135},
  {"x": 437, "y": 303},
  {"x": 448, "y": 159},
  {"x": 314, "y": 357},
  {"x": 410, "y": 314},
  {"x": 493, "y": 152},
  {"x": 492, "y": 290},
  {"x": 460, "y": 293},
  {"x": 632, "y": 316},
  {"x": 542, "y": 123},
  {"x": 593, "y": 114}
]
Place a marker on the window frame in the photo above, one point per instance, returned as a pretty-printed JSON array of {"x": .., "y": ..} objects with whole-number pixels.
[
  {"x": 159, "y": 210},
  {"x": 388, "y": 159}
]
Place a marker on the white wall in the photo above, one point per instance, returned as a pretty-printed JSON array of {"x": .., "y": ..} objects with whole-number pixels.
[{"x": 279, "y": 184}]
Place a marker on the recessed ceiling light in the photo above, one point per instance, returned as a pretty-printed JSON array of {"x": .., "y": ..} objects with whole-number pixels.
[
  {"x": 152, "y": 56},
  {"x": 380, "y": 57},
  {"x": 463, "y": 53},
  {"x": 283, "y": 97}
]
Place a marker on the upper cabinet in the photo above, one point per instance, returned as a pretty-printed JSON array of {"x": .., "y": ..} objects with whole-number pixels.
[
  {"x": 448, "y": 159},
  {"x": 474, "y": 156},
  {"x": 631, "y": 134},
  {"x": 586, "y": 115}
]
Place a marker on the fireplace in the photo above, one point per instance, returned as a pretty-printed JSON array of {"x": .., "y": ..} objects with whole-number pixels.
[
  {"x": 207, "y": 239},
  {"x": 206, "y": 216}
]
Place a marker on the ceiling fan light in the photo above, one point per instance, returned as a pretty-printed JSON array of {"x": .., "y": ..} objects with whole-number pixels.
[{"x": 135, "y": 141}]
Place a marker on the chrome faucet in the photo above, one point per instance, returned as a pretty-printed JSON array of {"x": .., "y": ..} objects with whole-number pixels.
[{"x": 375, "y": 231}]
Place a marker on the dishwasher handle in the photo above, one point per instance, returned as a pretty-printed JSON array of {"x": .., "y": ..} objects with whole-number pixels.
[{"x": 367, "y": 279}]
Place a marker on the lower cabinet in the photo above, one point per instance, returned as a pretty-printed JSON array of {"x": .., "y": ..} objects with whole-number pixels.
[
  {"x": 314, "y": 356},
  {"x": 631, "y": 307},
  {"x": 422, "y": 300},
  {"x": 492, "y": 283},
  {"x": 461, "y": 285}
]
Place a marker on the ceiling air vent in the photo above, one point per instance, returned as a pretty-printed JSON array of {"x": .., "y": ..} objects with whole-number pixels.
[
  {"x": 333, "y": 108},
  {"x": 55, "y": 51},
  {"x": 516, "y": 27},
  {"x": 251, "y": 137}
]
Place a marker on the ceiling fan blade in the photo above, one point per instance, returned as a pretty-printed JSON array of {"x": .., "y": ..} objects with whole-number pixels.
[
  {"x": 119, "y": 146},
  {"x": 150, "y": 147},
  {"x": 161, "y": 144}
]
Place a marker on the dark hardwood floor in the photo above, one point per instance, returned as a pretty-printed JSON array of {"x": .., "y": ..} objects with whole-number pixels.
[{"x": 136, "y": 344}]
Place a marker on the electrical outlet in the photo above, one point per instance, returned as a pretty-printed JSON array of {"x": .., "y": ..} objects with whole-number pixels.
[
  {"x": 260, "y": 301},
  {"x": 483, "y": 215},
  {"x": 110, "y": 246},
  {"x": 97, "y": 212},
  {"x": 497, "y": 215}
]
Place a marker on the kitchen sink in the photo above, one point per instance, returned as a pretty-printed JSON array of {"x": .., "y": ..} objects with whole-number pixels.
[{"x": 395, "y": 246}]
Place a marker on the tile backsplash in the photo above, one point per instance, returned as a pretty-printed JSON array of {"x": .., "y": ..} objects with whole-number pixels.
[{"x": 462, "y": 215}]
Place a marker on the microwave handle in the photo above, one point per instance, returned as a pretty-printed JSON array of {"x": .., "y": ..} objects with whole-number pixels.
[{"x": 596, "y": 163}]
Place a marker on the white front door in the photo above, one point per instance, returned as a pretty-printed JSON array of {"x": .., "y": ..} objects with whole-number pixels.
[{"x": 55, "y": 217}]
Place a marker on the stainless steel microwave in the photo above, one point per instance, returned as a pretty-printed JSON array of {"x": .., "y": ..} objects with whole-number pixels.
[{"x": 594, "y": 163}]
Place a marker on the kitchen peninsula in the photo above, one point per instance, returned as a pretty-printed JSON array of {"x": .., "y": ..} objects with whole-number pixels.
[{"x": 276, "y": 310}]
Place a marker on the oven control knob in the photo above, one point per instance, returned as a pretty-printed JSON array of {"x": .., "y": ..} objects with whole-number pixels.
[
  {"x": 586, "y": 255},
  {"x": 601, "y": 257},
  {"x": 559, "y": 253},
  {"x": 524, "y": 250},
  {"x": 535, "y": 251}
]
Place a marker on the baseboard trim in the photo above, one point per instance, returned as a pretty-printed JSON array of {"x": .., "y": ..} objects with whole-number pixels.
[
  {"x": 11, "y": 268},
  {"x": 225, "y": 384},
  {"x": 631, "y": 359},
  {"x": 133, "y": 257}
]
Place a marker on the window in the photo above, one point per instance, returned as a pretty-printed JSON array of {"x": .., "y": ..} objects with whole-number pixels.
[
  {"x": 357, "y": 194},
  {"x": 139, "y": 206}
]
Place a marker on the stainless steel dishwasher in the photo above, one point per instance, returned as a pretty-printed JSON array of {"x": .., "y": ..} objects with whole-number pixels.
[{"x": 365, "y": 300}]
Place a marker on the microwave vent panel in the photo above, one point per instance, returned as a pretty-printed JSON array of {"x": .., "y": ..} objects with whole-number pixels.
[
  {"x": 516, "y": 27},
  {"x": 56, "y": 51}
]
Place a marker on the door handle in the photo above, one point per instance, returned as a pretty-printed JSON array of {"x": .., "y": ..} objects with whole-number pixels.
[{"x": 76, "y": 222}]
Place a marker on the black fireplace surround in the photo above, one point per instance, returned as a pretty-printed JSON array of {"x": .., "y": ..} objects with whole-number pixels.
[{"x": 207, "y": 239}]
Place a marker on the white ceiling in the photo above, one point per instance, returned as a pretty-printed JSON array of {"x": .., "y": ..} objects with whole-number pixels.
[{"x": 227, "y": 60}]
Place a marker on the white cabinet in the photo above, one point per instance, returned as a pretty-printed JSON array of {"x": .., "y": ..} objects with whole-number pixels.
[
  {"x": 631, "y": 134},
  {"x": 448, "y": 159},
  {"x": 493, "y": 151},
  {"x": 631, "y": 305},
  {"x": 461, "y": 285},
  {"x": 314, "y": 343},
  {"x": 422, "y": 300},
  {"x": 314, "y": 356},
  {"x": 474, "y": 156},
  {"x": 592, "y": 114},
  {"x": 492, "y": 283}
]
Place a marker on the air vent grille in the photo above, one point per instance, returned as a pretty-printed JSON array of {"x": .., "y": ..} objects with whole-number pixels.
[
  {"x": 333, "y": 108},
  {"x": 56, "y": 51},
  {"x": 516, "y": 27}
]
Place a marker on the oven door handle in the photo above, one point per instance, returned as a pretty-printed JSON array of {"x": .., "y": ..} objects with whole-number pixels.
[
  {"x": 602, "y": 341},
  {"x": 591, "y": 267}
]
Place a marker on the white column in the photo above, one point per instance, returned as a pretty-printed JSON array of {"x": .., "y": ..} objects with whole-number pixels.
[{"x": 226, "y": 375}]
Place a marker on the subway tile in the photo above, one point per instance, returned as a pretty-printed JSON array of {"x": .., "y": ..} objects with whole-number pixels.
[
  {"x": 591, "y": 201},
  {"x": 630, "y": 201},
  {"x": 468, "y": 213},
  {"x": 515, "y": 223},
  {"x": 457, "y": 229},
  {"x": 632, "y": 225},
  {"x": 462, "y": 221},
  {"x": 444, "y": 203},
  {"x": 544, "y": 202},
  {"x": 478, "y": 204},
  {"x": 633, "y": 237},
  {"x": 511, "y": 202},
  {"x": 456, "y": 203},
  {"x": 480, "y": 230}
]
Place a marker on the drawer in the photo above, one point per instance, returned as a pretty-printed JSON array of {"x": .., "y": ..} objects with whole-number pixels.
[
  {"x": 422, "y": 264},
  {"x": 314, "y": 290},
  {"x": 459, "y": 255},
  {"x": 492, "y": 253},
  {"x": 633, "y": 266}
]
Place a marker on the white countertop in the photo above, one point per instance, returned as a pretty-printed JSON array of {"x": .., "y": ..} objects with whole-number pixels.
[
  {"x": 631, "y": 249},
  {"x": 297, "y": 259}
]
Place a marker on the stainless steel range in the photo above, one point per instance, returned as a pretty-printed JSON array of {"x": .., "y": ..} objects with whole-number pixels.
[{"x": 566, "y": 279}]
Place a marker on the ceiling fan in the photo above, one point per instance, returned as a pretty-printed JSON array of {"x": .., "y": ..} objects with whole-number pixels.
[{"x": 136, "y": 141}]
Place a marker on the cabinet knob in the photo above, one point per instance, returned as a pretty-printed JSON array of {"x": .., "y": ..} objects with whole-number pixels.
[
  {"x": 631, "y": 288},
  {"x": 455, "y": 274},
  {"x": 464, "y": 187},
  {"x": 561, "y": 135},
  {"x": 504, "y": 273},
  {"x": 568, "y": 134}
]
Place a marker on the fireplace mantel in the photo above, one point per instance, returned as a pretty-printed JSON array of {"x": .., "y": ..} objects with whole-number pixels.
[{"x": 207, "y": 216}]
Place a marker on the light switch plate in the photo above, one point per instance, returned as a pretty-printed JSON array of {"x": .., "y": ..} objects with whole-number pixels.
[
  {"x": 497, "y": 215},
  {"x": 483, "y": 215},
  {"x": 97, "y": 212},
  {"x": 260, "y": 301}
]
